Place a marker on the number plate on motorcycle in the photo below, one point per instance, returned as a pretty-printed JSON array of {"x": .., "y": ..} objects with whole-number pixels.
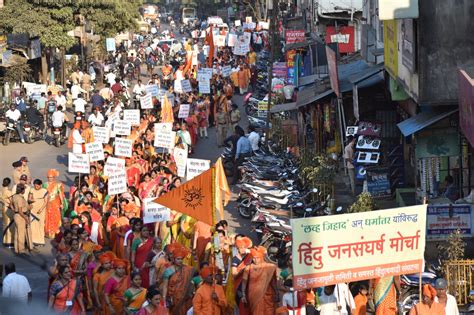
[{"x": 57, "y": 132}]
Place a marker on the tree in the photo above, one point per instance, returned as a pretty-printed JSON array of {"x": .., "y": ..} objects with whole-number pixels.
[
  {"x": 365, "y": 202},
  {"x": 18, "y": 71},
  {"x": 51, "y": 20}
]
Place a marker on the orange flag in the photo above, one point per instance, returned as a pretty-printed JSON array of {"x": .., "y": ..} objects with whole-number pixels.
[
  {"x": 193, "y": 198},
  {"x": 210, "y": 40},
  {"x": 222, "y": 188},
  {"x": 189, "y": 61},
  {"x": 166, "y": 111}
]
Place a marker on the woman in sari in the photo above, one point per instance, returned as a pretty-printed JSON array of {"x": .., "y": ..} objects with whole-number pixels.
[
  {"x": 133, "y": 233},
  {"x": 259, "y": 285},
  {"x": 78, "y": 263},
  {"x": 202, "y": 237},
  {"x": 240, "y": 261},
  {"x": 156, "y": 304},
  {"x": 141, "y": 246},
  {"x": 146, "y": 186},
  {"x": 178, "y": 288},
  {"x": 115, "y": 287},
  {"x": 65, "y": 294},
  {"x": 54, "y": 205},
  {"x": 161, "y": 264},
  {"x": 100, "y": 278},
  {"x": 135, "y": 296},
  {"x": 184, "y": 238},
  {"x": 385, "y": 295},
  {"x": 53, "y": 271},
  {"x": 117, "y": 234},
  {"x": 153, "y": 256},
  {"x": 65, "y": 244}
]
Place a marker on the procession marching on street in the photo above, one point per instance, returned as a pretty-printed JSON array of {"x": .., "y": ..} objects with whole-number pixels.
[{"x": 142, "y": 226}]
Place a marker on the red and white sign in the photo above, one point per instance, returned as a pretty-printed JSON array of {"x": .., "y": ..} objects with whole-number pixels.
[
  {"x": 294, "y": 36},
  {"x": 343, "y": 35}
]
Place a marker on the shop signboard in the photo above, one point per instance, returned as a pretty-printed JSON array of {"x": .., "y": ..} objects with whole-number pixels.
[
  {"x": 400, "y": 9},
  {"x": 294, "y": 36},
  {"x": 378, "y": 182},
  {"x": 332, "y": 68},
  {"x": 290, "y": 64},
  {"x": 343, "y": 36},
  {"x": 377, "y": 243},
  {"x": 391, "y": 47},
  {"x": 443, "y": 220},
  {"x": 437, "y": 142},
  {"x": 279, "y": 69},
  {"x": 466, "y": 105}
]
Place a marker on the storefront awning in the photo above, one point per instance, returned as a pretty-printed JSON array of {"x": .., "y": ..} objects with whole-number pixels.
[
  {"x": 314, "y": 98},
  {"x": 283, "y": 107},
  {"x": 423, "y": 120},
  {"x": 366, "y": 73}
]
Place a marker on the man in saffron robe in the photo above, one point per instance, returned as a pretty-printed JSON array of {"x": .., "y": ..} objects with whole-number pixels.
[{"x": 210, "y": 297}]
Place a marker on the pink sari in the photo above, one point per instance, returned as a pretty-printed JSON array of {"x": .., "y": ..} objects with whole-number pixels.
[{"x": 141, "y": 254}]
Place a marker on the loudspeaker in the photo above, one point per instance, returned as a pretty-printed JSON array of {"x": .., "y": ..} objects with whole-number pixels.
[
  {"x": 369, "y": 129},
  {"x": 368, "y": 157},
  {"x": 351, "y": 131},
  {"x": 366, "y": 142}
]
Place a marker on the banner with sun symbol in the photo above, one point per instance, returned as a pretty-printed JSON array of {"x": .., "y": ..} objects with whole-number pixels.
[{"x": 193, "y": 198}]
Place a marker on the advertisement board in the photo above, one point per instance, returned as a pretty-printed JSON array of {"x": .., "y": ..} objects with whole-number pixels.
[{"x": 442, "y": 220}]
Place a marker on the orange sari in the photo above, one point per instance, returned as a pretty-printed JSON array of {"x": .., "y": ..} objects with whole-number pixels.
[
  {"x": 117, "y": 234},
  {"x": 243, "y": 308},
  {"x": 63, "y": 293},
  {"x": 114, "y": 290},
  {"x": 101, "y": 279},
  {"x": 180, "y": 290},
  {"x": 204, "y": 235},
  {"x": 53, "y": 209},
  {"x": 260, "y": 293}
]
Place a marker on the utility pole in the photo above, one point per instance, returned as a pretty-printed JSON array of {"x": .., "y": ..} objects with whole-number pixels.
[{"x": 273, "y": 19}]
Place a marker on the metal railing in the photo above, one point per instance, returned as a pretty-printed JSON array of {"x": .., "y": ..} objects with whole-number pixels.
[{"x": 460, "y": 278}]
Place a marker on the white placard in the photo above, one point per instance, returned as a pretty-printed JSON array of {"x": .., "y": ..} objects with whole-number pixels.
[
  {"x": 153, "y": 212},
  {"x": 101, "y": 134},
  {"x": 95, "y": 151},
  {"x": 186, "y": 86},
  {"x": 117, "y": 183},
  {"x": 246, "y": 38},
  {"x": 114, "y": 165},
  {"x": 165, "y": 137},
  {"x": 205, "y": 87},
  {"x": 123, "y": 147},
  {"x": 177, "y": 88},
  {"x": 219, "y": 40},
  {"x": 78, "y": 163},
  {"x": 122, "y": 127},
  {"x": 194, "y": 167},
  {"x": 180, "y": 157},
  {"x": 249, "y": 26},
  {"x": 232, "y": 39},
  {"x": 132, "y": 116},
  {"x": 204, "y": 73},
  {"x": 146, "y": 102},
  {"x": 264, "y": 25},
  {"x": 183, "y": 111},
  {"x": 237, "y": 23},
  {"x": 226, "y": 71},
  {"x": 241, "y": 49},
  {"x": 152, "y": 89},
  {"x": 248, "y": 19}
]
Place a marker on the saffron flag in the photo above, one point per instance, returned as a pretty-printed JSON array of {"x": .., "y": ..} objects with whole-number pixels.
[
  {"x": 193, "y": 198},
  {"x": 166, "y": 111},
  {"x": 210, "y": 42},
  {"x": 222, "y": 188}
]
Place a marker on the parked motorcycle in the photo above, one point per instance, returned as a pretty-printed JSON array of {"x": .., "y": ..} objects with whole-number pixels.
[{"x": 11, "y": 132}]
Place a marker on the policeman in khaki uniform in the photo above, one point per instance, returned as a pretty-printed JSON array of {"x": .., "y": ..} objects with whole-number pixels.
[
  {"x": 22, "y": 221},
  {"x": 234, "y": 116},
  {"x": 7, "y": 213},
  {"x": 222, "y": 122}
]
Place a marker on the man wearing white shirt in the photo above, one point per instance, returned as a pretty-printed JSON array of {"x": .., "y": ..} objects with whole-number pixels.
[
  {"x": 61, "y": 99},
  {"x": 77, "y": 139},
  {"x": 254, "y": 138},
  {"x": 79, "y": 104},
  {"x": 14, "y": 114},
  {"x": 96, "y": 118},
  {"x": 110, "y": 78},
  {"x": 445, "y": 299},
  {"x": 16, "y": 286},
  {"x": 75, "y": 91},
  {"x": 344, "y": 298}
]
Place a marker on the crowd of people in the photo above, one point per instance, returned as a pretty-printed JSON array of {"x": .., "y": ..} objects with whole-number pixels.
[{"x": 107, "y": 260}]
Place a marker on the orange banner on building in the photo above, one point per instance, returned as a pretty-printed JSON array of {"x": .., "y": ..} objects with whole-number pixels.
[{"x": 193, "y": 198}]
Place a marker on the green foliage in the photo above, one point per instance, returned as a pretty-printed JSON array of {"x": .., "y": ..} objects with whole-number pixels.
[
  {"x": 364, "y": 203},
  {"x": 18, "y": 71},
  {"x": 455, "y": 246},
  {"x": 319, "y": 170},
  {"x": 51, "y": 20}
]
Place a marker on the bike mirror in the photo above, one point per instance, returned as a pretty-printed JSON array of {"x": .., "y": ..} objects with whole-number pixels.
[
  {"x": 339, "y": 209},
  {"x": 290, "y": 188},
  {"x": 308, "y": 209},
  {"x": 299, "y": 204}
]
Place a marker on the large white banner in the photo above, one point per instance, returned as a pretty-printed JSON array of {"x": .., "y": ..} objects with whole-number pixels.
[
  {"x": 153, "y": 212},
  {"x": 114, "y": 165},
  {"x": 180, "y": 157},
  {"x": 117, "y": 183},
  {"x": 78, "y": 163},
  {"x": 123, "y": 147},
  {"x": 194, "y": 167},
  {"x": 95, "y": 151}
]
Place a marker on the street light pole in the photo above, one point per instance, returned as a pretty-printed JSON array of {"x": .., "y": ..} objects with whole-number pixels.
[{"x": 274, "y": 4}]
